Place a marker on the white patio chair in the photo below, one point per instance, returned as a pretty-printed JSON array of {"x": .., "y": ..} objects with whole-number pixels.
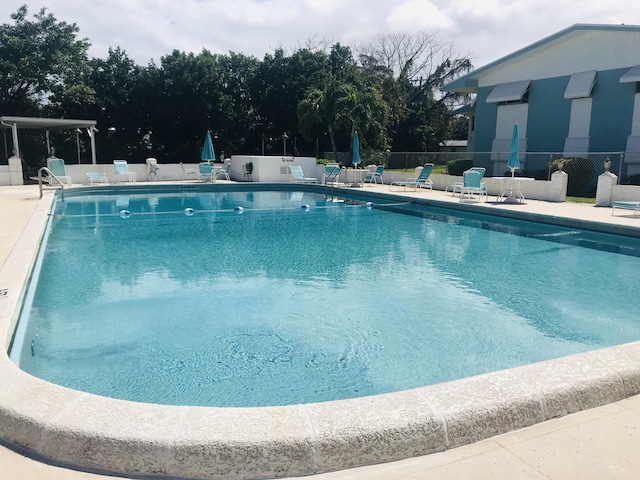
[
  {"x": 97, "y": 178},
  {"x": 187, "y": 172},
  {"x": 122, "y": 169}
]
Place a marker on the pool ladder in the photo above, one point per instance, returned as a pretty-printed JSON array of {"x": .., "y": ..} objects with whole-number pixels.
[
  {"x": 51, "y": 175},
  {"x": 330, "y": 181}
]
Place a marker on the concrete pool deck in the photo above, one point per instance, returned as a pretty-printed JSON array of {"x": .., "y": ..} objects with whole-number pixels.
[{"x": 599, "y": 442}]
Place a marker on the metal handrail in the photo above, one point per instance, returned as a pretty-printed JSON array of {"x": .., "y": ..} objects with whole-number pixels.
[{"x": 51, "y": 175}]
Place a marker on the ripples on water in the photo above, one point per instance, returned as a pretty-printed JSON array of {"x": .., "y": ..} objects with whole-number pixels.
[{"x": 281, "y": 305}]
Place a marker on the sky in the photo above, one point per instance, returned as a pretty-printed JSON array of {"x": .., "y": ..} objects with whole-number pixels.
[{"x": 482, "y": 30}]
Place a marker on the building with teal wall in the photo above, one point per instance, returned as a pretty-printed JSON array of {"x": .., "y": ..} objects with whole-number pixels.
[{"x": 574, "y": 93}]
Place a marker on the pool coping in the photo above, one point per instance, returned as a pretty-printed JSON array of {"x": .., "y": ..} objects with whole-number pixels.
[{"x": 145, "y": 440}]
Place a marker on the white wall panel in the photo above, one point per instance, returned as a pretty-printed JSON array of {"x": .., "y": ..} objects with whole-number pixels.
[
  {"x": 580, "y": 122},
  {"x": 574, "y": 146},
  {"x": 507, "y": 116},
  {"x": 635, "y": 123}
]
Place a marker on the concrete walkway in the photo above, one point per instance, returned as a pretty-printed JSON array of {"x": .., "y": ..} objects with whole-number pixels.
[{"x": 601, "y": 443}]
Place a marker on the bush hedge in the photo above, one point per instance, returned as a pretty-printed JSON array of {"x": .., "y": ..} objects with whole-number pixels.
[
  {"x": 581, "y": 174},
  {"x": 459, "y": 166},
  {"x": 633, "y": 180}
]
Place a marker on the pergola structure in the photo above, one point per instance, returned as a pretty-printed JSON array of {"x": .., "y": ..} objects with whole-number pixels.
[{"x": 48, "y": 124}]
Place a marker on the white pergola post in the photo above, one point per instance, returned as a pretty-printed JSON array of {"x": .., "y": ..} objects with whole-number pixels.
[
  {"x": 14, "y": 135},
  {"x": 92, "y": 136}
]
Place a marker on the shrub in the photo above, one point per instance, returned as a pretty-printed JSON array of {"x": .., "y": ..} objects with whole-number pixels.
[
  {"x": 373, "y": 157},
  {"x": 633, "y": 179},
  {"x": 458, "y": 166},
  {"x": 581, "y": 176},
  {"x": 537, "y": 174},
  {"x": 324, "y": 161}
]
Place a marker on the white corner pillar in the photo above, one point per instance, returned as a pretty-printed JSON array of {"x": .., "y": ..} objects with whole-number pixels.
[
  {"x": 15, "y": 171},
  {"x": 604, "y": 190},
  {"x": 558, "y": 190}
]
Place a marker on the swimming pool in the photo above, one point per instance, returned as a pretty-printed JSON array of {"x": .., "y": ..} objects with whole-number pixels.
[
  {"x": 100, "y": 433},
  {"x": 184, "y": 299}
]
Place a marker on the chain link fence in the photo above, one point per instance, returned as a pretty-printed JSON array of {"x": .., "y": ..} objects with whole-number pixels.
[
  {"x": 399, "y": 160},
  {"x": 583, "y": 168}
]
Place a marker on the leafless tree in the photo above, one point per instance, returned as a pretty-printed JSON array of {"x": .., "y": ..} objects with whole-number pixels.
[
  {"x": 315, "y": 43},
  {"x": 419, "y": 58}
]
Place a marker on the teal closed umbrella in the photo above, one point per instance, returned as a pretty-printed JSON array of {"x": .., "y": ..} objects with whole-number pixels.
[
  {"x": 208, "y": 155},
  {"x": 356, "y": 156},
  {"x": 356, "y": 150},
  {"x": 514, "y": 161}
]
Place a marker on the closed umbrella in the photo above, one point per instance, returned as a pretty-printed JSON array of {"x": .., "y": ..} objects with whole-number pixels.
[
  {"x": 514, "y": 161},
  {"x": 356, "y": 156},
  {"x": 356, "y": 150},
  {"x": 208, "y": 155}
]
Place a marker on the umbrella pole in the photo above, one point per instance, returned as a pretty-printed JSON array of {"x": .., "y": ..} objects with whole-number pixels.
[
  {"x": 511, "y": 199},
  {"x": 356, "y": 183},
  {"x": 512, "y": 177}
]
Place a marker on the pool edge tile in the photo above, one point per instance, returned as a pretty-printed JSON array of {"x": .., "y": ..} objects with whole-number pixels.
[
  {"x": 243, "y": 443},
  {"x": 381, "y": 428}
]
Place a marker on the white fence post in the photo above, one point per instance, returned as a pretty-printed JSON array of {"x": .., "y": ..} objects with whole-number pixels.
[
  {"x": 559, "y": 182},
  {"x": 604, "y": 190}
]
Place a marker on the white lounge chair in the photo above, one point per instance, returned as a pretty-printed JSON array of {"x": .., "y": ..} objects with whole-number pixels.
[
  {"x": 422, "y": 180},
  {"x": 122, "y": 169},
  {"x": 186, "y": 172},
  {"x": 457, "y": 187},
  {"x": 56, "y": 167},
  {"x": 472, "y": 185},
  {"x": 206, "y": 171},
  {"x": 331, "y": 173},
  {"x": 97, "y": 178},
  {"x": 298, "y": 175},
  {"x": 629, "y": 205},
  {"x": 373, "y": 177},
  {"x": 225, "y": 172}
]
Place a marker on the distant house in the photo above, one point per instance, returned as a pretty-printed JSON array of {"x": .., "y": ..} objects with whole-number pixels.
[
  {"x": 575, "y": 92},
  {"x": 453, "y": 146}
]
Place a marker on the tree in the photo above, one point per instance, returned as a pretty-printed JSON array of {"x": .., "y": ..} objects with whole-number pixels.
[
  {"x": 116, "y": 82},
  {"x": 43, "y": 72},
  {"x": 459, "y": 127},
  {"x": 342, "y": 108},
  {"x": 188, "y": 94},
  {"x": 322, "y": 109},
  {"x": 164, "y": 110},
  {"x": 345, "y": 98},
  {"x": 236, "y": 115},
  {"x": 279, "y": 84},
  {"x": 420, "y": 64},
  {"x": 342, "y": 101},
  {"x": 43, "y": 65},
  {"x": 183, "y": 102}
]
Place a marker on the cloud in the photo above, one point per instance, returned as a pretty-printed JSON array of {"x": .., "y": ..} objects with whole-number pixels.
[
  {"x": 419, "y": 15},
  {"x": 324, "y": 7},
  {"x": 487, "y": 10},
  {"x": 268, "y": 12},
  {"x": 486, "y": 29}
]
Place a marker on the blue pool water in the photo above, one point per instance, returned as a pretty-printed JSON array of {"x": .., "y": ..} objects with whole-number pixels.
[{"x": 190, "y": 301}]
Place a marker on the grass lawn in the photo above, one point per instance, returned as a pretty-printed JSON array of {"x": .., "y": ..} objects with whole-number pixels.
[
  {"x": 436, "y": 169},
  {"x": 581, "y": 199}
]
